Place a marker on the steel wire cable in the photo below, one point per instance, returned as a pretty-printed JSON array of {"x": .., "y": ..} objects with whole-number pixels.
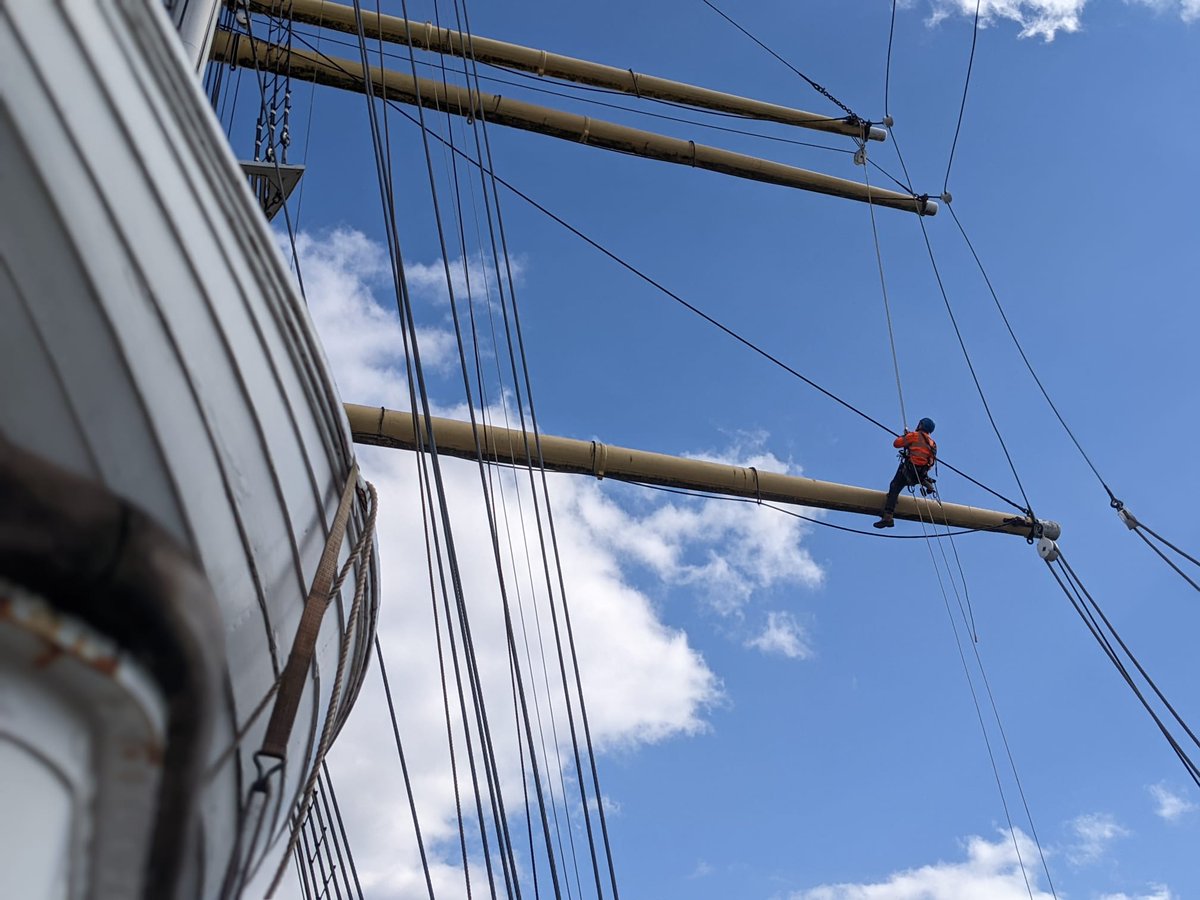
[
  {"x": 453, "y": 165},
  {"x": 416, "y": 384},
  {"x": 962, "y": 105},
  {"x": 961, "y": 571},
  {"x": 492, "y": 526},
  {"x": 528, "y": 810},
  {"x": 971, "y": 367},
  {"x": 1129, "y": 653},
  {"x": 1113, "y": 501},
  {"x": 337, "y": 812},
  {"x": 1072, "y": 589},
  {"x": 464, "y": 25},
  {"x": 1185, "y": 555},
  {"x": 820, "y": 89},
  {"x": 489, "y": 507},
  {"x": 1165, "y": 559},
  {"x": 304, "y": 867},
  {"x": 432, "y": 552},
  {"x": 412, "y": 803},
  {"x": 787, "y": 512}
]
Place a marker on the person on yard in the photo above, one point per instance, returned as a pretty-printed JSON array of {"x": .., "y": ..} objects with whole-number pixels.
[{"x": 918, "y": 453}]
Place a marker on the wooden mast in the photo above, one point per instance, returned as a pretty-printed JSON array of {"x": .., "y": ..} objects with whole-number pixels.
[
  {"x": 348, "y": 75},
  {"x": 426, "y": 36},
  {"x": 391, "y": 428}
]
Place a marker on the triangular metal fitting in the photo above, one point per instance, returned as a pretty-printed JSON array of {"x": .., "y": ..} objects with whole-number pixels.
[{"x": 272, "y": 184}]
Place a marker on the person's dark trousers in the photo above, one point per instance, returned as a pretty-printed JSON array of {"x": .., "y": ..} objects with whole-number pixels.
[{"x": 907, "y": 475}]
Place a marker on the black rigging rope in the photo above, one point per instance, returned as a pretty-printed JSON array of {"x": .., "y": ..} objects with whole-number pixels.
[
  {"x": 1135, "y": 524},
  {"x": 1164, "y": 557},
  {"x": 963, "y": 105},
  {"x": 464, "y": 26},
  {"x": 416, "y": 383},
  {"x": 345, "y": 840},
  {"x": 412, "y": 804},
  {"x": 971, "y": 366},
  {"x": 974, "y": 694},
  {"x": 1088, "y": 610}
]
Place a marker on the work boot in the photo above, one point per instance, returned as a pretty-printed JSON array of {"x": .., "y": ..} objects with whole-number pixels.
[{"x": 885, "y": 521}]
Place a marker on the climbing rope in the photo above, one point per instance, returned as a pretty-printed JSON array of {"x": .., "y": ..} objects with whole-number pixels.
[
  {"x": 974, "y": 694},
  {"x": 887, "y": 309}
]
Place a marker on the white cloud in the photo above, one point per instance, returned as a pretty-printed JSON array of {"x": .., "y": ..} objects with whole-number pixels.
[
  {"x": 1157, "y": 892},
  {"x": 429, "y": 279},
  {"x": 1189, "y": 10},
  {"x": 991, "y": 871},
  {"x": 1093, "y": 834},
  {"x": 1046, "y": 18},
  {"x": 703, "y": 869},
  {"x": 782, "y": 635},
  {"x": 644, "y": 681},
  {"x": 722, "y": 551},
  {"x": 1036, "y": 18},
  {"x": 342, "y": 271},
  {"x": 1170, "y": 805}
]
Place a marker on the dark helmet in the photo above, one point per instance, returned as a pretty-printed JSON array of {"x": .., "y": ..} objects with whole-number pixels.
[{"x": 925, "y": 425}]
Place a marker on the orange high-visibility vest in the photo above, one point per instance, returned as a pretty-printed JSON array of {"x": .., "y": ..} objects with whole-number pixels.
[{"x": 920, "y": 447}]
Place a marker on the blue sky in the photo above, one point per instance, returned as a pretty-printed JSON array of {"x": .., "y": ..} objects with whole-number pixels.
[{"x": 818, "y": 735}]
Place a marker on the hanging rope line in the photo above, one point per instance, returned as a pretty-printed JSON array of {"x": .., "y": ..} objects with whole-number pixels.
[
  {"x": 974, "y": 694},
  {"x": 820, "y": 89},
  {"x": 1102, "y": 630},
  {"x": 965, "y": 610},
  {"x": 887, "y": 309},
  {"x": 963, "y": 105}
]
